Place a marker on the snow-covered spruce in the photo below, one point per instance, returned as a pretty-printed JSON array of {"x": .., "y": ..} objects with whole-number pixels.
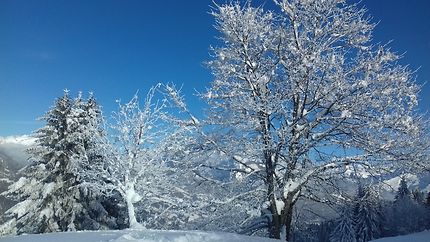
[
  {"x": 405, "y": 214},
  {"x": 345, "y": 228},
  {"x": 367, "y": 214},
  {"x": 59, "y": 189}
]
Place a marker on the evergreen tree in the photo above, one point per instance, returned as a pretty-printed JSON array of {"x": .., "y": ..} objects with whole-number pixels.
[
  {"x": 88, "y": 132},
  {"x": 102, "y": 209},
  {"x": 345, "y": 230},
  {"x": 428, "y": 200},
  {"x": 402, "y": 209},
  {"x": 407, "y": 215},
  {"x": 46, "y": 205},
  {"x": 418, "y": 196},
  {"x": 403, "y": 190},
  {"x": 427, "y": 206},
  {"x": 367, "y": 215},
  {"x": 54, "y": 192}
]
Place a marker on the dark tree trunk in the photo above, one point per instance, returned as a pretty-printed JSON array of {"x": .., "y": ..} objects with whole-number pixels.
[
  {"x": 275, "y": 223},
  {"x": 282, "y": 221},
  {"x": 288, "y": 218}
]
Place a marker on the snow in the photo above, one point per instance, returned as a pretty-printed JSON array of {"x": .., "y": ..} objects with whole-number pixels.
[
  {"x": 47, "y": 212},
  {"x": 21, "y": 182},
  {"x": 290, "y": 186},
  {"x": 48, "y": 189},
  {"x": 21, "y": 208},
  {"x": 427, "y": 189},
  {"x": 130, "y": 235},
  {"x": 345, "y": 114},
  {"x": 393, "y": 183},
  {"x": 357, "y": 171},
  {"x": 132, "y": 195},
  {"x": 417, "y": 237},
  {"x": 363, "y": 83},
  {"x": 20, "y": 140},
  {"x": 12, "y": 149},
  {"x": 5, "y": 180}
]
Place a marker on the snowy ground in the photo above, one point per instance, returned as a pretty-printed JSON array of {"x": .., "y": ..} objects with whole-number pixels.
[
  {"x": 135, "y": 236},
  {"x": 417, "y": 237},
  {"x": 170, "y": 236}
]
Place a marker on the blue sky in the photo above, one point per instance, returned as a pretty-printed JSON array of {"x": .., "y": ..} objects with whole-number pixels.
[{"x": 114, "y": 47}]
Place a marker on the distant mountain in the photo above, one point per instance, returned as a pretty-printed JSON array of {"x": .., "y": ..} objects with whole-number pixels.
[
  {"x": 391, "y": 184},
  {"x": 13, "y": 156},
  {"x": 12, "y": 149}
]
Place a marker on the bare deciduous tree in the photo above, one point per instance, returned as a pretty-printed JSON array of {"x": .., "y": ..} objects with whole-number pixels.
[{"x": 302, "y": 92}]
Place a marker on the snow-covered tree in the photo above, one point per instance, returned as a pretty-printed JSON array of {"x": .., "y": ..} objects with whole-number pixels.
[
  {"x": 418, "y": 196},
  {"x": 428, "y": 200},
  {"x": 407, "y": 215},
  {"x": 126, "y": 168},
  {"x": 45, "y": 180},
  {"x": 144, "y": 168},
  {"x": 403, "y": 190},
  {"x": 302, "y": 92},
  {"x": 54, "y": 189},
  {"x": 367, "y": 214},
  {"x": 87, "y": 129},
  {"x": 345, "y": 229}
]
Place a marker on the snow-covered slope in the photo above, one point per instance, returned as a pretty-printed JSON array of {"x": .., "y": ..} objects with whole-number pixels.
[
  {"x": 135, "y": 236},
  {"x": 12, "y": 149},
  {"x": 391, "y": 183},
  {"x": 417, "y": 237},
  {"x": 17, "y": 139},
  {"x": 170, "y": 236},
  {"x": 13, "y": 156}
]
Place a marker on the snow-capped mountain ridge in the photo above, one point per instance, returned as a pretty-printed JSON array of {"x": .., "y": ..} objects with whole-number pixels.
[
  {"x": 26, "y": 140},
  {"x": 13, "y": 149}
]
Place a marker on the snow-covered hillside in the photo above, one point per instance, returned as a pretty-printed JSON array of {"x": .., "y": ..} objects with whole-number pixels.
[
  {"x": 17, "y": 139},
  {"x": 135, "y": 236},
  {"x": 12, "y": 149},
  {"x": 417, "y": 237},
  {"x": 13, "y": 156},
  {"x": 391, "y": 184}
]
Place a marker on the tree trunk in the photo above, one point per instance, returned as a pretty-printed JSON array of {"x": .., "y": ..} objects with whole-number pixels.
[
  {"x": 131, "y": 214},
  {"x": 281, "y": 225},
  {"x": 130, "y": 198},
  {"x": 287, "y": 214},
  {"x": 275, "y": 223}
]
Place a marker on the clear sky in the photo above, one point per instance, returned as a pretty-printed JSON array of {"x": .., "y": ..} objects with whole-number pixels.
[{"x": 115, "y": 47}]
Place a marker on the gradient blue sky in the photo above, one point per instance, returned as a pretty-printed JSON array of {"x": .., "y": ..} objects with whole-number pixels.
[{"x": 115, "y": 47}]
